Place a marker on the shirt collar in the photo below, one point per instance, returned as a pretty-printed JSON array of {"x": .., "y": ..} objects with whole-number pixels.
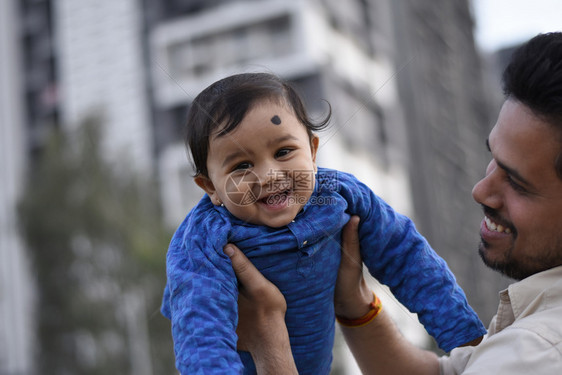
[{"x": 535, "y": 293}]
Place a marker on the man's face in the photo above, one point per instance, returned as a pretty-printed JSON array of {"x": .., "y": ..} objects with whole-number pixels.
[{"x": 521, "y": 195}]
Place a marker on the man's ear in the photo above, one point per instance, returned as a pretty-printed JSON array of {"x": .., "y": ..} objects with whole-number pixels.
[
  {"x": 314, "y": 140},
  {"x": 207, "y": 185}
]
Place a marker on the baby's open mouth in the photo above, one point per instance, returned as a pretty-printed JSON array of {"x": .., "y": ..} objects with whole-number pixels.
[{"x": 276, "y": 198}]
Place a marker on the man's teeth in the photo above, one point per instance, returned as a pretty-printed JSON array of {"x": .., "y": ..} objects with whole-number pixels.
[{"x": 496, "y": 227}]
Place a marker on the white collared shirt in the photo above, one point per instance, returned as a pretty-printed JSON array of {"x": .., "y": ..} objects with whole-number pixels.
[{"x": 525, "y": 336}]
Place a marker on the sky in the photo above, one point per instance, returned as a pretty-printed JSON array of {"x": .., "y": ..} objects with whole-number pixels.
[{"x": 501, "y": 23}]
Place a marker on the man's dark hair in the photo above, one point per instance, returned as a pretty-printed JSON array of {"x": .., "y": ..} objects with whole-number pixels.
[
  {"x": 534, "y": 78},
  {"x": 221, "y": 107}
]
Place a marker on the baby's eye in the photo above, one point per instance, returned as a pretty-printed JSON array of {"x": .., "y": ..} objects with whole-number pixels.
[
  {"x": 241, "y": 166},
  {"x": 283, "y": 152}
]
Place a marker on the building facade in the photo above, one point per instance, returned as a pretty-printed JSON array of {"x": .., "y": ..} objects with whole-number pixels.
[
  {"x": 101, "y": 73},
  {"x": 16, "y": 287},
  {"x": 449, "y": 117}
]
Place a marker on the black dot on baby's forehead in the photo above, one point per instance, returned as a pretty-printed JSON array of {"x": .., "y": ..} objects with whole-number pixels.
[{"x": 276, "y": 120}]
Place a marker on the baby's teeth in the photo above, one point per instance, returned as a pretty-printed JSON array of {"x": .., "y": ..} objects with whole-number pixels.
[
  {"x": 507, "y": 230},
  {"x": 500, "y": 228}
]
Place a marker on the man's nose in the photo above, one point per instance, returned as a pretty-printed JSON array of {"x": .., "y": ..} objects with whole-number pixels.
[{"x": 487, "y": 191}]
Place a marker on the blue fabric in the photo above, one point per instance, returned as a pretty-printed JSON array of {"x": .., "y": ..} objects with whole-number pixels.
[{"x": 302, "y": 259}]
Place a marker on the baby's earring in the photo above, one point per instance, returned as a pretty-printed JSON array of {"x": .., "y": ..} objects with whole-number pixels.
[{"x": 219, "y": 202}]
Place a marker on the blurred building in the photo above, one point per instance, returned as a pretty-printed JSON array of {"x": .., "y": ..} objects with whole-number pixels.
[
  {"x": 403, "y": 78},
  {"x": 38, "y": 63},
  {"x": 449, "y": 115},
  {"x": 101, "y": 72},
  {"x": 16, "y": 290}
]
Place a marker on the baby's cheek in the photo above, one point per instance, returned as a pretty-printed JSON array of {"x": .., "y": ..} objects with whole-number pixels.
[{"x": 242, "y": 190}]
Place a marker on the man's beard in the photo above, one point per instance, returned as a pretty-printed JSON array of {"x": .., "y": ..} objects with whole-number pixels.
[{"x": 515, "y": 269}]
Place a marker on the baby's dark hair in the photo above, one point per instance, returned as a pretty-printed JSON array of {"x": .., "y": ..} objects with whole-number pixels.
[{"x": 221, "y": 107}]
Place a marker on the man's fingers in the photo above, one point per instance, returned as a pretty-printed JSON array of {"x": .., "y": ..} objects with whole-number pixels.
[
  {"x": 253, "y": 285},
  {"x": 245, "y": 271},
  {"x": 352, "y": 295},
  {"x": 350, "y": 242},
  {"x": 261, "y": 306}
]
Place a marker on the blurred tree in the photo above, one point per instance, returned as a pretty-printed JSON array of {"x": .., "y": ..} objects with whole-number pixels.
[{"x": 97, "y": 243}]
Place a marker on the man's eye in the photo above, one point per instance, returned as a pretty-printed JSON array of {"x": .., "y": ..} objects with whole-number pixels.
[{"x": 515, "y": 186}]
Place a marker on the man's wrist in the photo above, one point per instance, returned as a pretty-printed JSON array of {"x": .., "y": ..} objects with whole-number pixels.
[
  {"x": 356, "y": 306},
  {"x": 374, "y": 308},
  {"x": 272, "y": 354}
]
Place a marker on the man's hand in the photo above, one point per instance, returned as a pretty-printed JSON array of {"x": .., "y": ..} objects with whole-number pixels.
[
  {"x": 261, "y": 318},
  {"x": 260, "y": 303},
  {"x": 352, "y": 295},
  {"x": 378, "y": 346}
]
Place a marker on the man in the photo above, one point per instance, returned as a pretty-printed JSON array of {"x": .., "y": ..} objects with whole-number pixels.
[{"x": 521, "y": 237}]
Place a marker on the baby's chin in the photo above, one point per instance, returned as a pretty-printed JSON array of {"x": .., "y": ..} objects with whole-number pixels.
[{"x": 273, "y": 223}]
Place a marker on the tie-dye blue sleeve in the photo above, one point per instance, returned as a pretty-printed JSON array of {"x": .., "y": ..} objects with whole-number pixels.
[{"x": 401, "y": 258}]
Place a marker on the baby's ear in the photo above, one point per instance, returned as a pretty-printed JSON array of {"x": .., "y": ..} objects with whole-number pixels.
[
  {"x": 314, "y": 140},
  {"x": 207, "y": 185}
]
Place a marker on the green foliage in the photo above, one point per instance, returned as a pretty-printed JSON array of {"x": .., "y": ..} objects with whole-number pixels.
[{"x": 97, "y": 244}]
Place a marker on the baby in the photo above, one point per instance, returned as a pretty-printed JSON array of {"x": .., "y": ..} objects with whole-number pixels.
[{"x": 254, "y": 150}]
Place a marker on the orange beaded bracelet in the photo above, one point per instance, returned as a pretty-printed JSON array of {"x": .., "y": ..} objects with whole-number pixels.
[{"x": 376, "y": 308}]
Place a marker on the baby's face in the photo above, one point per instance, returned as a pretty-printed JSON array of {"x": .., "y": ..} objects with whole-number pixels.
[{"x": 263, "y": 171}]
